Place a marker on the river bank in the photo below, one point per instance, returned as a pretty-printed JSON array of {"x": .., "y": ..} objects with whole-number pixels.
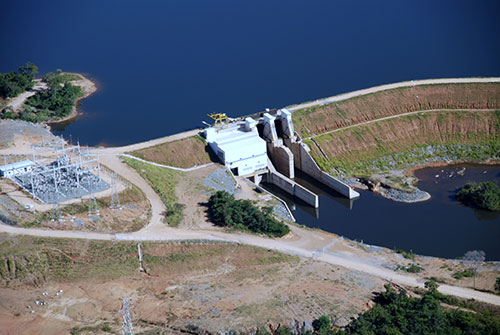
[{"x": 401, "y": 184}]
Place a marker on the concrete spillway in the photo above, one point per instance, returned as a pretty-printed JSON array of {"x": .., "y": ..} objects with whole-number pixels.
[{"x": 287, "y": 153}]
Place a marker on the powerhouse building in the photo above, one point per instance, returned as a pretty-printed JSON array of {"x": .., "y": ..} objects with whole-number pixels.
[{"x": 238, "y": 146}]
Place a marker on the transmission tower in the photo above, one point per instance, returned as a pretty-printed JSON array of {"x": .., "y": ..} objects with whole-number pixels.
[
  {"x": 127, "y": 328},
  {"x": 115, "y": 199}
]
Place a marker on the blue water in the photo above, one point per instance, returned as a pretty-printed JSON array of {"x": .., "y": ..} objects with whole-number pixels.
[
  {"x": 161, "y": 66},
  {"x": 441, "y": 226}
]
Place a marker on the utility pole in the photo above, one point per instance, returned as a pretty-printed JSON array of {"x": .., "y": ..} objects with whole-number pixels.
[
  {"x": 140, "y": 257},
  {"x": 127, "y": 328}
]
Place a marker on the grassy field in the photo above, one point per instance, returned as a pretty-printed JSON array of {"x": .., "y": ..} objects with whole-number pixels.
[
  {"x": 320, "y": 119},
  {"x": 26, "y": 260},
  {"x": 183, "y": 153},
  {"x": 410, "y": 140},
  {"x": 163, "y": 181}
]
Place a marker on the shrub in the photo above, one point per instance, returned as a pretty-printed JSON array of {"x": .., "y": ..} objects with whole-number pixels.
[
  {"x": 461, "y": 274},
  {"x": 226, "y": 211}
]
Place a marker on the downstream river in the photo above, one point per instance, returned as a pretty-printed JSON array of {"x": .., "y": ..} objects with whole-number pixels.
[
  {"x": 441, "y": 226},
  {"x": 161, "y": 66}
]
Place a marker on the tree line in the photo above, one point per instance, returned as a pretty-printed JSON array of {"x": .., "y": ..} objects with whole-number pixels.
[
  {"x": 396, "y": 313},
  {"x": 15, "y": 83}
]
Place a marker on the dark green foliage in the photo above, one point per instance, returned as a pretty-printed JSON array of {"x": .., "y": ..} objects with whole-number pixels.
[
  {"x": 406, "y": 254},
  {"x": 484, "y": 195},
  {"x": 412, "y": 268},
  {"x": 54, "y": 103},
  {"x": 242, "y": 214},
  {"x": 323, "y": 325},
  {"x": 12, "y": 83},
  {"x": 396, "y": 313},
  {"x": 461, "y": 274},
  {"x": 497, "y": 284}
]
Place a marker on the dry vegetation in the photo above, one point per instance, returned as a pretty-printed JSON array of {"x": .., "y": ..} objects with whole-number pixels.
[
  {"x": 135, "y": 213},
  {"x": 214, "y": 286},
  {"x": 320, "y": 119},
  {"x": 184, "y": 153}
]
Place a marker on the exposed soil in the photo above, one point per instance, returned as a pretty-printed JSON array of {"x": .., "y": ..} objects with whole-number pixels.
[
  {"x": 184, "y": 153},
  {"x": 320, "y": 119},
  {"x": 215, "y": 287},
  {"x": 370, "y": 141}
]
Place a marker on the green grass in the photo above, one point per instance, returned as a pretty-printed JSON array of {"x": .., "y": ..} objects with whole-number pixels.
[{"x": 163, "y": 181}]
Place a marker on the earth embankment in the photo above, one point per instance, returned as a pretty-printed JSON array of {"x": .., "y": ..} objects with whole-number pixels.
[
  {"x": 349, "y": 148},
  {"x": 320, "y": 119}
]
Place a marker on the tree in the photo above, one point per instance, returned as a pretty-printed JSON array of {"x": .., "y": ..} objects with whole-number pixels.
[
  {"x": 322, "y": 325},
  {"x": 497, "y": 284},
  {"x": 474, "y": 258},
  {"x": 431, "y": 286}
]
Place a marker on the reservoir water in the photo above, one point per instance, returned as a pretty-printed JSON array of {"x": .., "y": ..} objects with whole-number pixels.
[
  {"x": 441, "y": 226},
  {"x": 161, "y": 66}
]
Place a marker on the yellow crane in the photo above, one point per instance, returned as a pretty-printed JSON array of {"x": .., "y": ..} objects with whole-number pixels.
[{"x": 219, "y": 118}]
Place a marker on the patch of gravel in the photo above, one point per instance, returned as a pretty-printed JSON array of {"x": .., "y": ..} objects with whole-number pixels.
[
  {"x": 402, "y": 196},
  {"x": 9, "y": 128},
  {"x": 220, "y": 180},
  {"x": 281, "y": 211}
]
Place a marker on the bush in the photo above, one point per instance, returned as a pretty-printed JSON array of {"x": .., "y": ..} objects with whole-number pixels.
[
  {"x": 226, "y": 211},
  {"x": 412, "y": 268},
  {"x": 497, "y": 284},
  {"x": 461, "y": 274},
  {"x": 484, "y": 195}
]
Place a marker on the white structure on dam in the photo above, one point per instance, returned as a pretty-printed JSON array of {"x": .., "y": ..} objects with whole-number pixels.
[{"x": 238, "y": 146}]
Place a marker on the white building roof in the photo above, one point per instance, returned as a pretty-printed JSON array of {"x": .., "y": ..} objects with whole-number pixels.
[{"x": 16, "y": 165}]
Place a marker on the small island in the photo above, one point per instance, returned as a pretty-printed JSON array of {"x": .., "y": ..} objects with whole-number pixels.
[
  {"x": 53, "y": 98},
  {"x": 485, "y": 195}
]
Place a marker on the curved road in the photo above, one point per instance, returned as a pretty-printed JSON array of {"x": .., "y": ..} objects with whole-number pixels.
[{"x": 309, "y": 244}]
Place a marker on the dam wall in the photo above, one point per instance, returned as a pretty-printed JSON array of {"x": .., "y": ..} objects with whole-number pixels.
[
  {"x": 305, "y": 163},
  {"x": 291, "y": 187},
  {"x": 282, "y": 159}
]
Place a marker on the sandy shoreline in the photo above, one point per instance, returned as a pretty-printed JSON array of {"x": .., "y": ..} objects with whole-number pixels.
[{"x": 88, "y": 87}]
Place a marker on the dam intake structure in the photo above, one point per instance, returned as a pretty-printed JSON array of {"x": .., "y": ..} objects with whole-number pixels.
[{"x": 265, "y": 147}]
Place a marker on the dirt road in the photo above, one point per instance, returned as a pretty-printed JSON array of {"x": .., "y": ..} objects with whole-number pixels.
[
  {"x": 18, "y": 101},
  {"x": 349, "y": 95}
]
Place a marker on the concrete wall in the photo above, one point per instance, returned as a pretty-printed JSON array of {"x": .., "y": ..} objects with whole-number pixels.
[
  {"x": 282, "y": 159},
  {"x": 292, "y": 188},
  {"x": 305, "y": 163}
]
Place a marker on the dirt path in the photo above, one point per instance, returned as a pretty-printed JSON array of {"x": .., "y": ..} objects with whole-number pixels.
[
  {"x": 150, "y": 143},
  {"x": 18, "y": 101},
  {"x": 400, "y": 115},
  {"x": 349, "y": 95}
]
